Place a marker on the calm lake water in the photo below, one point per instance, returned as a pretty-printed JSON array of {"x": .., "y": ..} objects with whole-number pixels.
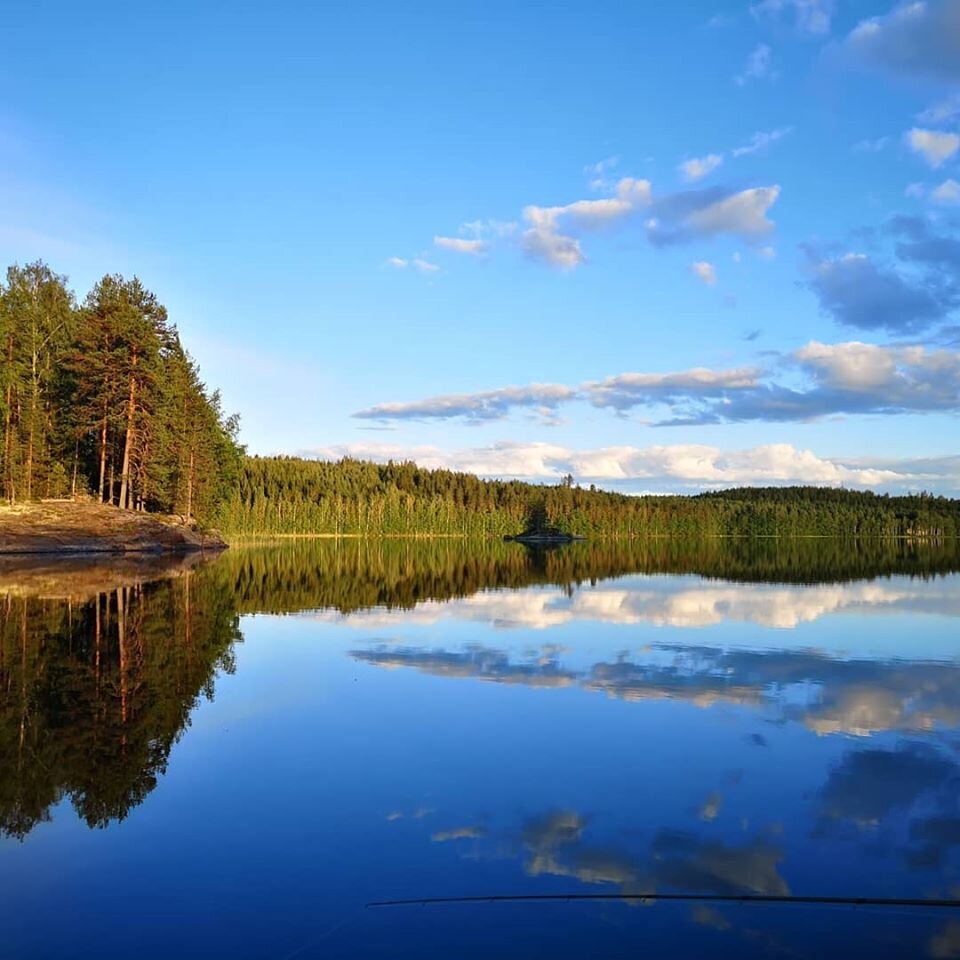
[{"x": 231, "y": 758}]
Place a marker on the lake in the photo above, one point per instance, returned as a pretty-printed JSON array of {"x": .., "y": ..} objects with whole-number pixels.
[{"x": 234, "y": 757}]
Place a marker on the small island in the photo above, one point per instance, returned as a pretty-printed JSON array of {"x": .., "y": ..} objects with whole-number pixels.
[{"x": 540, "y": 530}]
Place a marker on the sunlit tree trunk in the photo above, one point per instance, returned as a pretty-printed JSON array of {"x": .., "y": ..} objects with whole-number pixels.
[
  {"x": 103, "y": 454},
  {"x": 7, "y": 424},
  {"x": 129, "y": 439}
]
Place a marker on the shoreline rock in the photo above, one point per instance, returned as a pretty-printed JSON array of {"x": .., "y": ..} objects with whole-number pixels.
[{"x": 77, "y": 529}]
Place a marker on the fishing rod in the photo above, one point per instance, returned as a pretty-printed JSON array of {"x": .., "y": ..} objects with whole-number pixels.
[{"x": 933, "y": 903}]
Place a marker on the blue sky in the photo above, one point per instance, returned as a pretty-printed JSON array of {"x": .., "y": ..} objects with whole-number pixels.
[{"x": 660, "y": 246}]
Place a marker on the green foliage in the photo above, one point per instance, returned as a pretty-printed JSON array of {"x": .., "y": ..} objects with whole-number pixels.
[
  {"x": 103, "y": 399},
  {"x": 282, "y": 495}
]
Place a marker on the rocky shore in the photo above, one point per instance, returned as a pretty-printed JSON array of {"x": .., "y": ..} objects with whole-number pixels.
[{"x": 73, "y": 528}]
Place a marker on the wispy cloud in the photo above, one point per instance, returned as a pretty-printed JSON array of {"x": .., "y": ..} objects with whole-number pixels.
[
  {"x": 760, "y": 141},
  {"x": 871, "y": 146},
  {"x": 698, "y": 167},
  {"x": 759, "y": 65},
  {"x": 543, "y": 239},
  {"x": 810, "y": 17},
  {"x": 598, "y": 173},
  {"x": 401, "y": 263},
  {"x": 945, "y": 111},
  {"x": 461, "y": 245},
  {"x": 554, "y": 234},
  {"x": 543, "y": 398},
  {"x": 827, "y": 380}
]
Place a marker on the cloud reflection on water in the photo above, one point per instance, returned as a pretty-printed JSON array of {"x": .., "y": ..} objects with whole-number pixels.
[
  {"x": 672, "y": 602},
  {"x": 826, "y": 694}
]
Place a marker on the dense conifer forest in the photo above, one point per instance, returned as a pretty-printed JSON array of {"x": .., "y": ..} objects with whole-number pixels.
[
  {"x": 282, "y": 495},
  {"x": 101, "y": 398}
]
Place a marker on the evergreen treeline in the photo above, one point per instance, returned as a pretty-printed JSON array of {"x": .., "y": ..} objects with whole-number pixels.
[
  {"x": 282, "y": 495},
  {"x": 102, "y": 398}
]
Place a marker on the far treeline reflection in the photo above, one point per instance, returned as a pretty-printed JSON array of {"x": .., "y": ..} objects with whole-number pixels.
[{"x": 102, "y": 664}]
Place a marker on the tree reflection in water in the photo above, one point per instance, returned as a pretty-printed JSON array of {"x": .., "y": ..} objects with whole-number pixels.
[{"x": 102, "y": 663}]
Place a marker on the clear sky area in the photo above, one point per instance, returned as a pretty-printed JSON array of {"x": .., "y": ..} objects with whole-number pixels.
[{"x": 660, "y": 246}]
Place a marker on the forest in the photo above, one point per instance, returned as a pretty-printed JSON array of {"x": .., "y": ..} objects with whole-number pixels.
[
  {"x": 282, "y": 495},
  {"x": 100, "y": 398}
]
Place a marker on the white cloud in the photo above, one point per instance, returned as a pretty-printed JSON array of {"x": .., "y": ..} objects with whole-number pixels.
[
  {"x": 674, "y": 466},
  {"x": 914, "y": 191},
  {"x": 911, "y": 375},
  {"x": 485, "y": 405},
  {"x": 705, "y": 271},
  {"x": 948, "y": 193},
  {"x": 626, "y": 390},
  {"x": 460, "y": 245},
  {"x": 840, "y": 378},
  {"x": 698, "y": 167},
  {"x": 742, "y": 214},
  {"x": 544, "y": 239},
  {"x": 758, "y": 66},
  {"x": 935, "y": 146},
  {"x": 761, "y": 140},
  {"x": 424, "y": 266},
  {"x": 810, "y": 16},
  {"x": 768, "y": 253}
]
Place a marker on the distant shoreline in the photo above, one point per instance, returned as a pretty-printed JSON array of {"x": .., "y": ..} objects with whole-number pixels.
[
  {"x": 252, "y": 538},
  {"x": 86, "y": 528}
]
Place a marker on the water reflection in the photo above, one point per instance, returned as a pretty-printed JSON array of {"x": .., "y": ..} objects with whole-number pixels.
[
  {"x": 357, "y": 575},
  {"x": 101, "y": 663},
  {"x": 613, "y": 717},
  {"x": 826, "y": 694},
  {"x": 96, "y": 689}
]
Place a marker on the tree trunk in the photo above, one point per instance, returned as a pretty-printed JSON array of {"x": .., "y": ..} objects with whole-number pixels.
[
  {"x": 103, "y": 455},
  {"x": 76, "y": 460},
  {"x": 34, "y": 400},
  {"x": 7, "y": 424},
  {"x": 190, "y": 488},
  {"x": 129, "y": 439}
]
